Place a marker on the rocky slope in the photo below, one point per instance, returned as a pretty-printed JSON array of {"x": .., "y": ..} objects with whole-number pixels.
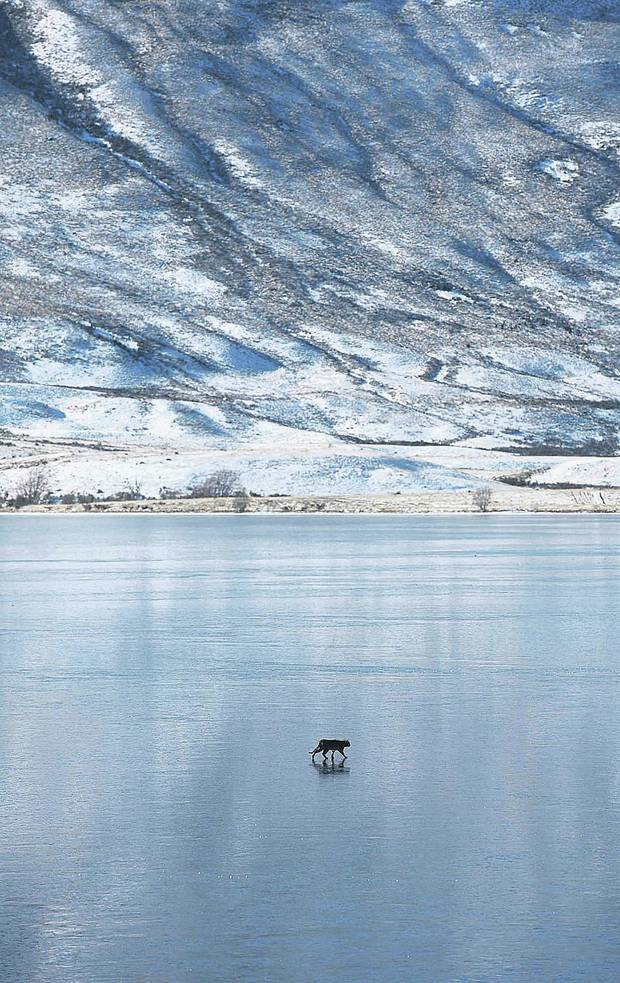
[{"x": 349, "y": 245}]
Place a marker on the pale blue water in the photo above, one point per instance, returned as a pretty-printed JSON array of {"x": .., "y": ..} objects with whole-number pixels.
[{"x": 162, "y": 680}]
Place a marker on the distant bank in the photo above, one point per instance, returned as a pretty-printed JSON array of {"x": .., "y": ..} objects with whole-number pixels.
[{"x": 561, "y": 500}]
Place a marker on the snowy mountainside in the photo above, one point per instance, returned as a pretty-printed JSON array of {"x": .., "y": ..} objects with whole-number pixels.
[{"x": 352, "y": 245}]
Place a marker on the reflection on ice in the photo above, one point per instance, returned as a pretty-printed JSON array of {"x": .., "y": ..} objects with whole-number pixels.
[{"x": 331, "y": 768}]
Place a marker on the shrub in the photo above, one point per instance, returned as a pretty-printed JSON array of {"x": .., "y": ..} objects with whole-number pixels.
[
  {"x": 220, "y": 484},
  {"x": 482, "y": 499},
  {"x": 130, "y": 492},
  {"x": 33, "y": 489},
  {"x": 166, "y": 493},
  {"x": 241, "y": 501},
  {"x": 133, "y": 490}
]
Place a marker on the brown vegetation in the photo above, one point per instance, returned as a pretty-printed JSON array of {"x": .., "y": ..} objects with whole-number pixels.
[{"x": 482, "y": 499}]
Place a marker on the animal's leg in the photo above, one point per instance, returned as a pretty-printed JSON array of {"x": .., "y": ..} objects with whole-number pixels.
[
  {"x": 344, "y": 757},
  {"x": 324, "y": 757},
  {"x": 333, "y": 752}
]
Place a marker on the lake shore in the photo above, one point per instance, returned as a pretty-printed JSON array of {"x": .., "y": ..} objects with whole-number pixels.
[{"x": 510, "y": 499}]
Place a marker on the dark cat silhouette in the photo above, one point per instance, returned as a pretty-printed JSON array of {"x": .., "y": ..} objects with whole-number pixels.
[{"x": 330, "y": 745}]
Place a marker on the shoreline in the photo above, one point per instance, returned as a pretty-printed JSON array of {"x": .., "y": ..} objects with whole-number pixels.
[
  {"x": 508, "y": 501},
  {"x": 508, "y": 513}
]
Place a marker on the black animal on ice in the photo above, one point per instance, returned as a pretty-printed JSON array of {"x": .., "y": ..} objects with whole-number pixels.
[{"x": 330, "y": 745}]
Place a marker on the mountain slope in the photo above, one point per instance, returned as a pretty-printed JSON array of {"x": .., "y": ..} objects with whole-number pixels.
[{"x": 337, "y": 232}]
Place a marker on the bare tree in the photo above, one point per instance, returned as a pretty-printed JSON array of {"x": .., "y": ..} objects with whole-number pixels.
[
  {"x": 130, "y": 492},
  {"x": 166, "y": 493},
  {"x": 77, "y": 498},
  {"x": 482, "y": 498},
  {"x": 588, "y": 499},
  {"x": 220, "y": 484},
  {"x": 241, "y": 501},
  {"x": 32, "y": 489},
  {"x": 134, "y": 489}
]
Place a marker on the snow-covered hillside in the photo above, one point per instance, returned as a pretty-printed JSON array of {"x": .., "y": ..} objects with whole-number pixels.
[{"x": 352, "y": 245}]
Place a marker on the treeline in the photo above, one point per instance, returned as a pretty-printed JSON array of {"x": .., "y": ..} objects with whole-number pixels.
[{"x": 34, "y": 489}]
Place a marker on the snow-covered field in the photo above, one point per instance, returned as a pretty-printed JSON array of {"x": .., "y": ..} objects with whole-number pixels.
[{"x": 360, "y": 247}]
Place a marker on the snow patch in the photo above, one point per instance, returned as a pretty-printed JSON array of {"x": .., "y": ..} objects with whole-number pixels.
[
  {"x": 601, "y": 134},
  {"x": 124, "y": 120},
  {"x": 565, "y": 171},
  {"x": 604, "y": 472},
  {"x": 570, "y": 370},
  {"x": 59, "y": 46},
  {"x": 18, "y": 200},
  {"x": 317, "y": 469},
  {"x": 612, "y": 213},
  {"x": 22, "y": 268},
  {"x": 239, "y": 166},
  {"x": 453, "y": 295},
  {"x": 193, "y": 282}
]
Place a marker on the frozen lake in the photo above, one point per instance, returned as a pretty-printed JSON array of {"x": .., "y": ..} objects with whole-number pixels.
[{"x": 162, "y": 680}]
